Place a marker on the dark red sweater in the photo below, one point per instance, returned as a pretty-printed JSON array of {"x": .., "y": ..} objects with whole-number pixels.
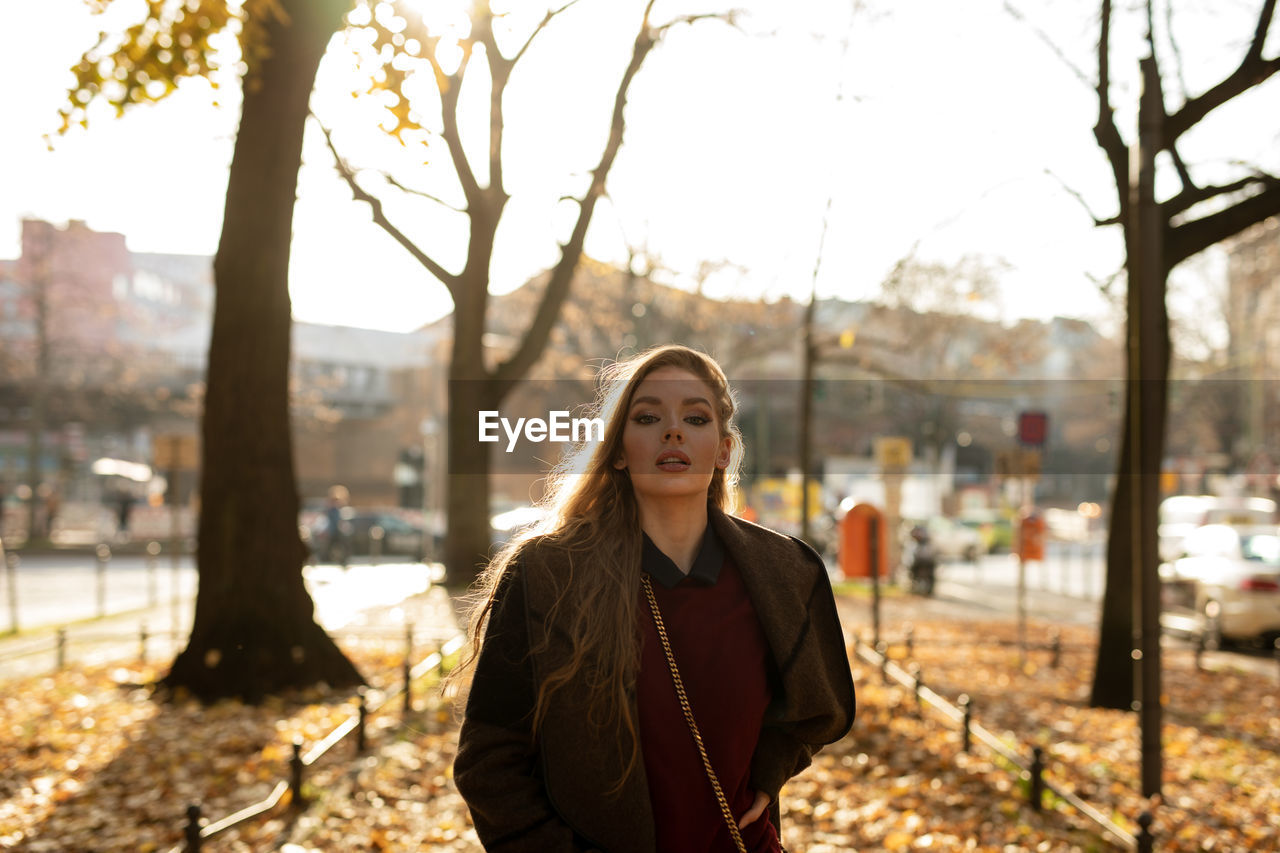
[{"x": 723, "y": 660}]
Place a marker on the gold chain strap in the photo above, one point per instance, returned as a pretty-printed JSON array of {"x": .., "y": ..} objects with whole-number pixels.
[{"x": 688, "y": 715}]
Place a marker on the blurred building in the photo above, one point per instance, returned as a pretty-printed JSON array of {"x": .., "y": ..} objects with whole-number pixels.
[
  {"x": 126, "y": 338},
  {"x": 1253, "y": 323}
]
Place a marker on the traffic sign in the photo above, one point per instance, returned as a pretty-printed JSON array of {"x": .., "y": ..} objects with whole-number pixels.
[
  {"x": 175, "y": 452},
  {"x": 893, "y": 452},
  {"x": 1033, "y": 428}
]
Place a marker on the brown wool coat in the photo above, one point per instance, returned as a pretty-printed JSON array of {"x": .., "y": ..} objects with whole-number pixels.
[{"x": 549, "y": 796}]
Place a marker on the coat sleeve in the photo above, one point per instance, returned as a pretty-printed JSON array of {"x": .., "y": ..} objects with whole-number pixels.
[
  {"x": 497, "y": 767},
  {"x": 821, "y": 703},
  {"x": 779, "y": 756}
]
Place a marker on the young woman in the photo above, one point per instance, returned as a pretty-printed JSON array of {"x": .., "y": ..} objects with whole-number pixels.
[{"x": 648, "y": 669}]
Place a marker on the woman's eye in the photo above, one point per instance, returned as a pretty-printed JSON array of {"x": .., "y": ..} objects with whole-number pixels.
[
  {"x": 645, "y": 418},
  {"x": 698, "y": 420}
]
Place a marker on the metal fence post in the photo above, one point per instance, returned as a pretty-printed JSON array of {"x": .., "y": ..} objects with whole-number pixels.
[
  {"x": 104, "y": 556},
  {"x": 911, "y": 640},
  {"x": 408, "y": 668},
  {"x": 175, "y": 560},
  {"x": 1146, "y": 841},
  {"x": 61, "y": 648},
  {"x": 192, "y": 832},
  {"x": 966, "y": 706},
  {"x": 918, "y": 679},
  {"x": 883, "y": 651},
  {"x": 363, "y": 715},
  {"x": 1037, "y": 778},
  {"x": 295, "y": 774},
  {"x": 1055, "y": 645},
  {"x": 142, "y": 643},
  {"x": 153, "y": 552},
  {"x": 11, "y": 562}
]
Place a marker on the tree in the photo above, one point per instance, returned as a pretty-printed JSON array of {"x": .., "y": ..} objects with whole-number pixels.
[
  {"x": 1192, "y": 219},
  {"x": 408, "y": 51},
  {"x": 254, "y": 630}
]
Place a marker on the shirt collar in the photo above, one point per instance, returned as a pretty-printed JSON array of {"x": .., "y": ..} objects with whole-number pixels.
[{"x": 706, "y": 566}]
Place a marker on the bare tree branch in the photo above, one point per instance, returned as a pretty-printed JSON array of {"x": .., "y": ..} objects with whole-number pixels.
[
  {"x": 1017, "y": 15},
  {"x": 446, "y": 278},
  {"x": 1252, "y": 71},
  {"x": 1188, "y": 198},
  {"x": 391, "y": 179},
  {"x": 1097, "y": 220},
  {"x": 1106, "y": 285},
  {"x": 1105, "y": 131},
  {"x": 730, "y": 18},
  {"x": 1183, "y": 241},
  {"x": 450, "y": 88},
  {"x": 1178, "y": 63},
  {"x": 542, "y": 25},
  {"x": 508, "y": 372},
  {"x": 499, "y": 75},
  {"x": 1180, "y": 167}
]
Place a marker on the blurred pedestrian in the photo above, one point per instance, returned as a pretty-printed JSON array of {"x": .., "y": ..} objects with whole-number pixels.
[
  {"x": 338, "y": 547},
  {"x": 647, "y": 670},
  {"x": 124, "y": 509}
]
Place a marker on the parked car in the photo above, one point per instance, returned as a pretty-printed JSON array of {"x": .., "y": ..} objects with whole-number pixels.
[
  {"x": 1227, "y": 587},
  {"x": 1181, "y": 514},
  {"x": 370, "y": 532},
  {"x": 993, "y": 526},
  {"x": 952, "y": 540}
]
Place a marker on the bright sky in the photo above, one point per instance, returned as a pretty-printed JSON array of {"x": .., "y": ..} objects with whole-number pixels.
[{"x": 958, "y": 132}]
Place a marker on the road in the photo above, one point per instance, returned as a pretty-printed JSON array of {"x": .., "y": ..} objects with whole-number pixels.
[
  {"x": 60, "y": 589},
  {"x": 66, "y": 591},
  {"x": 1064, "y": 589}
]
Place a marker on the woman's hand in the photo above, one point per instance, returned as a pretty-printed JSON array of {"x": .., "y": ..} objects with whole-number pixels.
[{"x": 757, "y": 808}]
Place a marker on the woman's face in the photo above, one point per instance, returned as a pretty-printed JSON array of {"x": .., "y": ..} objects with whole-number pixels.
[{"x": 671, "y": 442}]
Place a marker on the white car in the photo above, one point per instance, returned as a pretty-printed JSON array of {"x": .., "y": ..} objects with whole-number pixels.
[
  {"x": 952, "y": 540},
  {"x": 1228, "y": 584},
  {"x": 1181, "y": 514}
]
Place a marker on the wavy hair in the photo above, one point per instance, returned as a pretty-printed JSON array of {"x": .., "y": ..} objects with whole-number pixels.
[{"x": 592, "y": 515}]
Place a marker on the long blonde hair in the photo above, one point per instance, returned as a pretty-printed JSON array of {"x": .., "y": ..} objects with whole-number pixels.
[{"x": 592, "y": 515}]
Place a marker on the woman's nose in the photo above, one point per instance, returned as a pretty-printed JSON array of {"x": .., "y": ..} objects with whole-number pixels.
[{"x": 672, "y": 433}]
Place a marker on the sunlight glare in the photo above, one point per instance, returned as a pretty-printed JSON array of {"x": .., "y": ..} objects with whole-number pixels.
[{"x": 448, "y": 18}]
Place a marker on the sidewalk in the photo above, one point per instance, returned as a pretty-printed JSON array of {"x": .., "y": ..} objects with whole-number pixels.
[{"x": 342, "y": 601}]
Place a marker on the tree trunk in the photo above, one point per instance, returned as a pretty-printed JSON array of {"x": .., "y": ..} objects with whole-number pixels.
[
  {"x": 468, "y": 538},
  {"x": 1113, "y": 670},
  {"x": 1133, "y": 539},
  {"x": 255, "y": 631}
]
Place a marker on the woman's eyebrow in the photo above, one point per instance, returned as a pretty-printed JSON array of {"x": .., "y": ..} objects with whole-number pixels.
[{"x": 655, "y": 401}]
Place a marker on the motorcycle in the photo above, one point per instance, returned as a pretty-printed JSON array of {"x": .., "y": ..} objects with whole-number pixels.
[{"x": 922, "y": 562}]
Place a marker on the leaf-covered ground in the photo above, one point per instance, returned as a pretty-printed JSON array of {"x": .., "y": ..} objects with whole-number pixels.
[{"x": 88, "y": 762}]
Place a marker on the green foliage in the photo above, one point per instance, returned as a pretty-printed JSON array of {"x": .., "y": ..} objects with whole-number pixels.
[
  {"x": 176, "y": 39},
  {"x": 179, "y": 39},
  {"x": 392, "y": 44}
]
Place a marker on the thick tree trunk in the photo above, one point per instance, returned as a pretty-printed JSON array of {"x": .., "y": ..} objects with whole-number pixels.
[
  {"x": 1113, "y": 670},
  {"x": 254, "y": 631},
  {"x": 1137, "y": 486},
  {"x": 471, "y": 389},
  {"x": 468, "y": 538},
  {"x": 1133, "y": 541}
]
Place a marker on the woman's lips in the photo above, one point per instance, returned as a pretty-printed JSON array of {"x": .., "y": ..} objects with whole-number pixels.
[{"x": 673, "y": 460}]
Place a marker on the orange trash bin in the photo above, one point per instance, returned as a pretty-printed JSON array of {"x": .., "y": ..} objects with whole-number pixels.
[{"x": 855, "y": 542}]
